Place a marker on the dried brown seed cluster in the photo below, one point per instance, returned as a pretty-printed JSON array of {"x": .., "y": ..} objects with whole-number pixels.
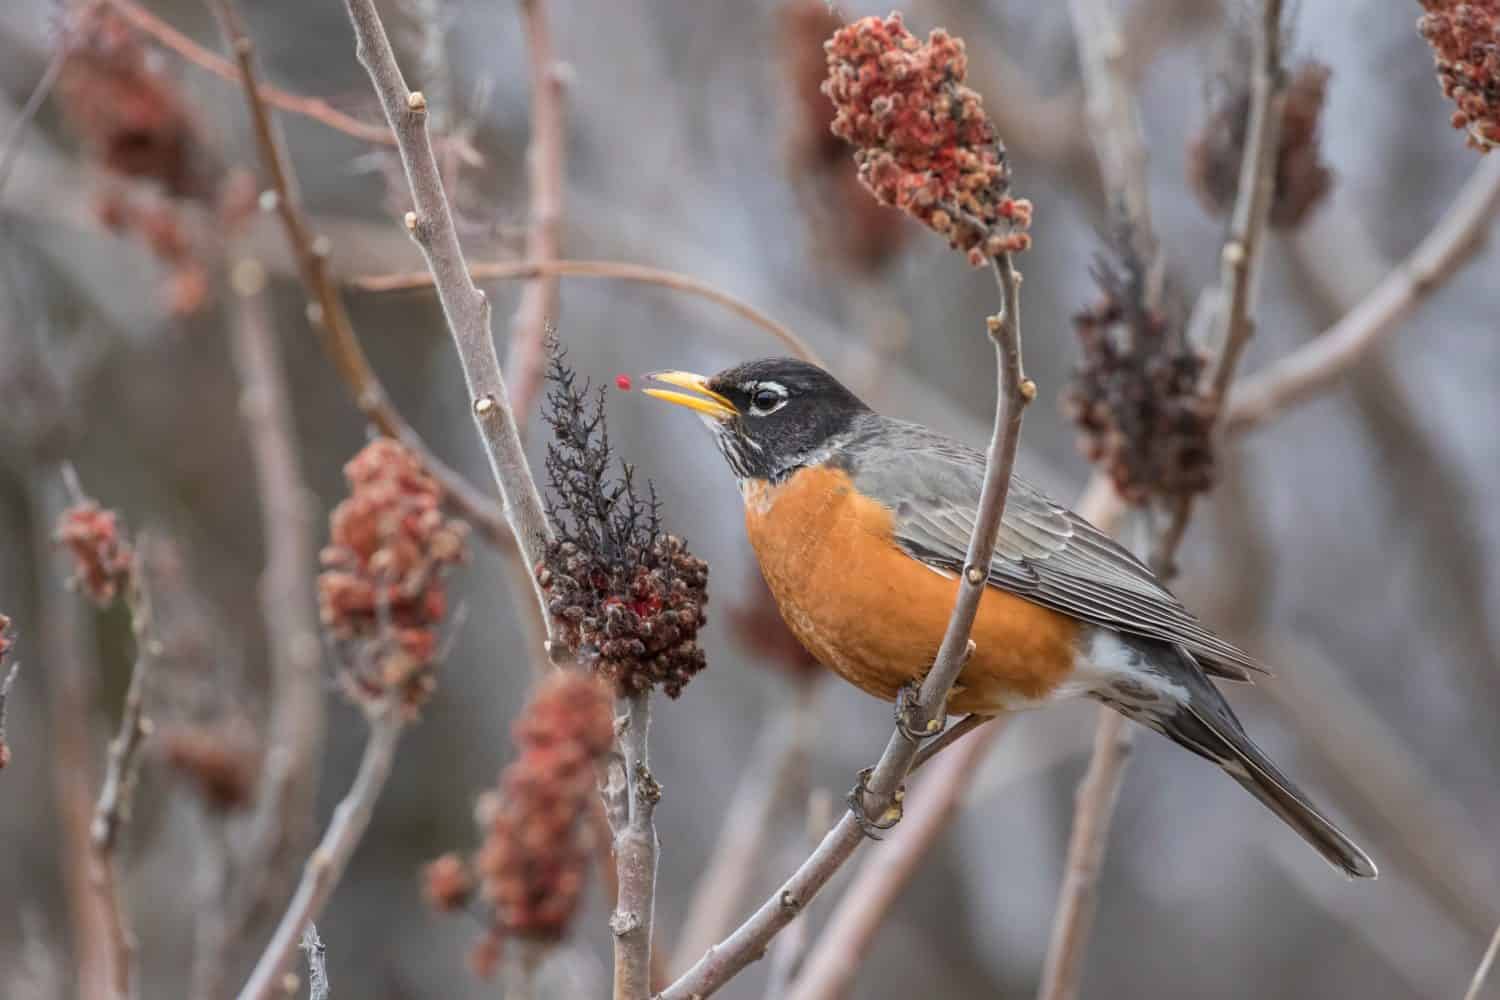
[
  {"x": 922, "y": 140},
  {"x": 1303, "y": 180},
  {"x": 849, "y": 227},
  {"x": 625, "y": 597},
  {"x": 531, "y": 867},
  {"x": 1136, "y": 395},
  {"x": 381, "y": 592},
  {"x": 221, "y": 763},
  {"x": 1465, "y": 40},
  {"x": 100, "y": 549}
]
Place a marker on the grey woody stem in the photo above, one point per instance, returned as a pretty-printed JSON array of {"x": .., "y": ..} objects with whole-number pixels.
[
  {"x": 749, "y": 941},
  {"x": 635, "y": 854},
  {"x": 325, "y": 867},
  {"x": 466, "y": 308}
]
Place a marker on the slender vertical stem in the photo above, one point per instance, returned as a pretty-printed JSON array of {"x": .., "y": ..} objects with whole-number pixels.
[
  {"x": 326, "y": 866},
  {"x": 635, "y": 855}
]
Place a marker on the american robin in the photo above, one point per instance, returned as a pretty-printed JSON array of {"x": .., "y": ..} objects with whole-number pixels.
[{"x": 860, "y": 523}]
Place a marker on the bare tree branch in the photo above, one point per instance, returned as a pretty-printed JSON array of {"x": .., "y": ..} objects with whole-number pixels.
[
  {"x": 525, "y": 360},
  {"x": 779, "y": 758},
  {"x": 317, "y": 963},
  {"x": 635, "y": 853},
  {"x": 326, "y": 866},
  {"x": 1099, "y": 791},
  {"x": 1476, "y": 986},
  {"x": 831, "y": 965},
  {"x": 282, "y": 823},
  {"x": 325, "y": 310},
  {"x": 883, "y": 795},
  {"x": 466, "y": 308},
  {"x": 1312, "y": 368},
  {"x": 319, "y": 111},
  {"x": 112, "y": 810},
  {"x": 602, "y": 269}
]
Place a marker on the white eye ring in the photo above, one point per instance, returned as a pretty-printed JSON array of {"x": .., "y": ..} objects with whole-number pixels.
[{"x": 756, "y": 390}]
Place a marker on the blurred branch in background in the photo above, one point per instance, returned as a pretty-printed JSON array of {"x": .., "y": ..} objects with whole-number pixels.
[
  {"x": 619, "y": 270},
  {"x": 1483, "y": 971},
  {"x": 281, "y": 825},
  {"x": 546, "y": 160},
  {"x": 1100, "y": 789},
  {"x": 326, "y": 312},
  {"x": 1311, "y": 369}
]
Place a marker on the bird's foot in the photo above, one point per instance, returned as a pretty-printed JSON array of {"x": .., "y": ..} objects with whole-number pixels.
[
  {"x": 908, "y": 704},
  {"x": 889, "y": 816}
]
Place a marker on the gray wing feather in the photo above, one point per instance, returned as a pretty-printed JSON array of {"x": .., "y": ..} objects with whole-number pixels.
[{"x": 1045, "y": 553}]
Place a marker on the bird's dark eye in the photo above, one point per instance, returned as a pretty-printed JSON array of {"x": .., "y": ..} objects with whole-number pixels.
[{"x": 765, "y": 400}]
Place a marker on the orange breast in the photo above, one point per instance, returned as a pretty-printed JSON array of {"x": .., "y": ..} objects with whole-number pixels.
[{"x": 875, "y": 615}]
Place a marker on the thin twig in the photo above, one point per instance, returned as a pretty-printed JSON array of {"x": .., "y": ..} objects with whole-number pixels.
[
  {"x": 10, "y": 150},
  {"x": 1311, "y": 369},
  {"x": 635, "y": 854},
  {"x": 308, "y": 107},
  {"x": 790, "y": 947},
  {"x": 1099, "y": 791},
  {"x": 485, "y": 270},
  {"x": 282, "y": 824},
  {"x": 466, "y": 308},
  {"x": 883, "y": 797},
  {"x": 526, "y": 358},
  {"x": 1482, "y": 973},
  {"x": 776, "y": 764},
  {"x": 317, "y": 963},
  {"x": 831, "y": 965},
  {"x": 326, "y": 865},
  {"x": 1093, "y": 813},
  {"x": 67, "y": 635},
  {"x": 112, "y": 810},
  {"x": 325, "y": 310}
]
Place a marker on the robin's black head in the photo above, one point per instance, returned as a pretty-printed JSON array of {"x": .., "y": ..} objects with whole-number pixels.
[{"x": 769, "y": 417}]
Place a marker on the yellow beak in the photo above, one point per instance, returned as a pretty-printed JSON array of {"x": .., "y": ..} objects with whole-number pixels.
[{"x": 699, "y": 396}]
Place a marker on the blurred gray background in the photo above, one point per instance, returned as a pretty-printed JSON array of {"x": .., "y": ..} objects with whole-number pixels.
[{"x": 1350, "y": 544}]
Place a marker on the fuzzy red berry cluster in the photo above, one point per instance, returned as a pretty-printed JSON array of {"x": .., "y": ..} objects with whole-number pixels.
[
  {"x": 922, "y": 140},
  {"x": 624, "y": 596},
  {"x": 1465, "y": 40},
  {"x": 1136, "y": 395},
  {"x": 530, "y": 870},
  {"x": 381, "y": 592},
  {"x": 100, "y": 549}
]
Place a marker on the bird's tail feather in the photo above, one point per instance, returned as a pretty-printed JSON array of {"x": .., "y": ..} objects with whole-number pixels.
[{"x": 1217, "y": 736}]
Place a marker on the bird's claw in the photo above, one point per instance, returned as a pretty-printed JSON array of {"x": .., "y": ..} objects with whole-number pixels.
[
  {"x": 908, "y": 700},
  {"x": 888, "y": 817}
]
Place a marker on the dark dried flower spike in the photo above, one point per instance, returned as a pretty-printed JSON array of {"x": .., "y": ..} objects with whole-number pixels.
[
  {"x": 625, "y": 598},
  {"x": 1465, "y": 40},
  {"x": 1136, "y": 394},
  {"x": 922, "y": 140}
]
